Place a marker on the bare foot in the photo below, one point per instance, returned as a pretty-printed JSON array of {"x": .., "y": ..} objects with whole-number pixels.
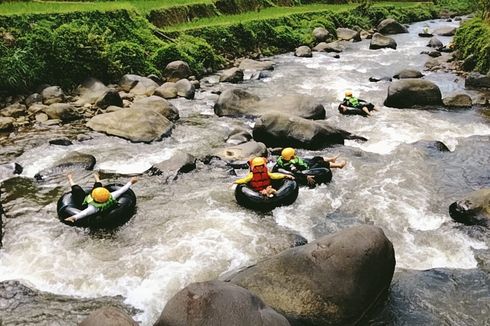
[
  {"x": 96, "y": 177},
  {"x": 69, "y": 176}
]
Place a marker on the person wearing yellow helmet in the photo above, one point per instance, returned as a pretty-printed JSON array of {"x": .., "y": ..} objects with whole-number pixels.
[
  {"x": 260, "y": 179},
  {"x": 99, "y": 198},
  {"x": 352, "y": 105}
]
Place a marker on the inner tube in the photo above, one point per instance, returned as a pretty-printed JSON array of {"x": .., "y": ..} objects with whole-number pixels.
[
  {"x": 117, "y": 216},
  {"x": 321, "y": 174},
  {"x": 425, "y": 35},
  {"x": 356, "y": 111},
  {"x": 287, "y": 192}
]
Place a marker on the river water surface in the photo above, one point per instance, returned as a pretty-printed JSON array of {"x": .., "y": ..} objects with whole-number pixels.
[{"x": 191, "y": 229}]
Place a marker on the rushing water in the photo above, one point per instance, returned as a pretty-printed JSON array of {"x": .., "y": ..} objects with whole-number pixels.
[{"x": 191, "y": 229}]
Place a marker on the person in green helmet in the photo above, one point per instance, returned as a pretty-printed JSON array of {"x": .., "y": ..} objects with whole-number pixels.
[{"x": 352, "y": 105}]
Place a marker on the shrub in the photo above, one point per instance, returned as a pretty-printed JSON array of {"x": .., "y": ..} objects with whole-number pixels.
[{"x": 127, "y": 57}]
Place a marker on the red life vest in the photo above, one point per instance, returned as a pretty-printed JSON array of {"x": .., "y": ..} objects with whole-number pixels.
[{"x": 260, "y": 179}]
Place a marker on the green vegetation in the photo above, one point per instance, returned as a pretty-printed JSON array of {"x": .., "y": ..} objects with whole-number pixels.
[{"x": 474, "y": 38}]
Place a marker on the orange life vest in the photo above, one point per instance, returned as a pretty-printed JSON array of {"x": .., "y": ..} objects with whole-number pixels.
[{"x": 260, "y": 179}]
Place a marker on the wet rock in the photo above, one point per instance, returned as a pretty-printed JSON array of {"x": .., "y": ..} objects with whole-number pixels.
[
  {"x": 176, "y": 70},
  {"x": 406, "y": 93},
  {"x": 238, "y": 136},
  {"x": 391, "y": 26},
  {"x": 297, "y": 240},
  {"x": 242, "y": 152},
  {"x": 128, "y": 81},
  {"x": 380, "y": 42},
  {"x": 336, "y": 47},
  {"x": 6, "y": 124},
  {"x": 474, "y": 208},
  {"x": 109, "y": 98},
  {"x": 62, "y": 111},
  {"x": 431, "y": 146},
  {"x": 249, "y": 64},
  {"x": 142, "y": 125},
  {"x": 477, "y": 80},
  {"x": 14, "y": 110},
  {"x": 180, "y": 162},
  {"x": 108, "y": 316},
  {"x": 334, "y": 280},
  {"x": 61, "y": 142},
  {"x": 70, "y": 162},
  {"x": 36, "y": 108},
  {"x": 196, "y": 84},
  {"x": 458, "y": 100},
  {"x": 445, "y": 31},
  {"x": 280, "y": 130},
  {"x": 155, "y": 78},
  {"x": 236, "y": 102},
  {"x": 434, "y": 54},
  {"x": 218, "y": 303},
  {"x": 185, "y": 89},
  {"x": 320, "y": 34},
  {"x": 90, "y": 90},
  {"x": 41, "y": 117},
  {"x": 347, "y": 34},
  {"x": 157, "y": 104},
  {"x": 435, "y": 43},
  {"x": 33, "y": 98},
  {"x": 232, "y": 75},
  {"x": 168, "y": 90},
  {"x": 366, "y": 35},
  {"x": 469, "y": 63},
  {"x": 426, "y": 34},
  {"x": 22, "y": 305},
  {"x": 408, "y": 73},
  {"x": 51, "y": 122},
  {"x": 303, "y": 52},
  {"x": 144, "y": 86},
  {"x": 375, "y": 79},
  {"x": 52, "y": 94}
]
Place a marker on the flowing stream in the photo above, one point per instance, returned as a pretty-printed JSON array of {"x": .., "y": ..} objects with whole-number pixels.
[{"x": 191, "y": 229}]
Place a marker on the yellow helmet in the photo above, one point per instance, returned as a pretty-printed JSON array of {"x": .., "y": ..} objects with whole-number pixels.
[
  {"x": 101, "y": 195},
  {"x": 258, "y": 161},
  {"x": 348, "y": 92},
  {"x": 288, "y": 153}
]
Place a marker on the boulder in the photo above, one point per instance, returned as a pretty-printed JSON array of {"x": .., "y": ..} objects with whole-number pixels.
[
  {"x": 320, "y": 34},
  {"x": 143, "y": 125},
  {"x": 218, "y": 303},
  {"x": 232, "y": 75},
  {"x": 177, "y": 70},
  {"x": 238, "y": 136},
  {"x": 434, "y": 54},
  {"x": 347, "y": 34},
  {"x": 303, "y": 52},
  {"x": 157, "y": 104},
  {"x": 70, "y": 162},
  {"x": 33, "y": 98},
  {"x": 90, "y": 90},
  {"x": 61, "y": 142},
  {"x": 477, "y": 80},
  {"x": 408, "y": 73},
  {"x": 6, "y": 124},
  {"x": 108, "y": 316},
  {"x": 128, "y": 81},
  {"x": 14, "y": 110},
  {"x": 391, "y": 26},
  {"x": 242, "y": 152},
  {"x": 41, "y": 117},
  {"x": 65, "y": 112},
  {"x": 281, "y": 130},
  {"x": 336, "y": 47},
  {"x": 249, "y": 64},
  {"x": 185, "y": 89},
  {"x": 168, "y": 90},
  {"x": 474, "y": 208},
  {"x": 109, "y": 98},
  {"x": 36, "y": 108},
  {"x": 52, "y": 94},
  {"x": 445, "y": 31},
  {"x": 435, "y": 43},
  {"x": 406, "y": 93},
  {"x": 179, "y": 162},
  {"x": 334, "y": 280},
  {"x": 379, "y": 42},
  {"x": 144, "y": 86},
  {"x": 236, "y": 102},
  {"x": 458, "y": 100}
]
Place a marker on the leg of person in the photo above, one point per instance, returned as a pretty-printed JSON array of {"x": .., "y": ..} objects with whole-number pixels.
[
  {"x": 78, "y": 195},
  {"x": 366, "y": 110},
  {"x": 331, "y": 159},
  {"x": 338, "y": 165},
  {"x": 271, "y": 191}
]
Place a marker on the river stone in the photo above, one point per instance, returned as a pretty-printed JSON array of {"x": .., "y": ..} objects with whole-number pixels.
[
  {"x": 128, "y": 81},
  {"x": 36, "y": 108},
  {"x": 477, "y": 80},
  {"x": 458, "y": 101},
  {"x": 391, "y": 26},
  {"x": 185, "y": 89},
  {"x": 334, "y": 280},
  {"x": 347, "y": 34},
  {"x": 236, "y": 102},
  {"x": 33, "y": 98},
  {"x": 249, "y": 64},
  {"x": 379, "y": 42},
  {"x": 378, "y": 79},
  {"x": 474, "y": 208},
  {"x": 52, "y": 94},
  {"x": 242, "y": 152},
  {"x": 109, "y": 98},
  {"x": 218, "y": 303},
  {"x": 176, "y": 70},
  {"x": 232, "y": 75},
  {"x": 445, "y": 31},
  {"x": 141, "y": 125},
  {"x": 65, "y": 112},
  {"x": 320, "y": 34},
  {"x": 157, "y": 104},
  {"x": 6, "y": 123},
  {"x": 108, "y": 316},
  {"x": 145, "y": 86},
  {"x": 70, "y": 162},
  {"x": 14, "y": 110},
  {"x": 435, "y": 43},
  {"x": 90, "y": 90},
  {"x": 303, "y": 52},
  {"x": 281, "y": 130},
  {"x": 238, "y": 136},
  {"x": 41, "y": 117},
  {"x": 408, "y": 73},
  {"x": 406, "y": 93},
  {"x": 179, "y": 162},
  {"x": 336, "y": 47},
  {"x": 168, "y": 90}
]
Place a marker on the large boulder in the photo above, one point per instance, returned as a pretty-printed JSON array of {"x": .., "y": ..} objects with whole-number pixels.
[
  {"x": 380, "y": 42},
  {"x": 185, "y": 89},
  {"x": 14, "y": 110},
  {"x": 408, "y": 73},
  {"x": 238, "y": 136},
  {"x": 303, "y": 52},
  {"x": 90, "y": 91},
  {"x": 52, "y": 94},
  {"x": 62, "y": 111},
  {"x": 320, "y": 34},
  {"x": 347, "y": 34},
  {"x": 334, "y": 280},
  {"x": 282, "y": 130},
  {"x": 6, "y": 124},
  {"x": 435, "y": 43},
  {"x": 218, "y": 303},
  {"x": 232, "y": 75},
  {"x": 157, "y": 104},
  {"x": 236, "y": 102},
  {"x": 141, "y": 125},
  {"x": 177, "y": 70},
  {"x": 179, "y": 162},
  {"x": 474, "y": 208},
  {"x": 144, "y": 86},
  {"x": 128, "y": 81},
  {"x": 70, "y": 162},
  {"x": 108, "y": 316},
  {"x": 406, "y": 93},
  {"x": 242, "y": 152},
  {"x": 457, "y": 100},
  {"x": 477, "y": 80},
  {"x": 336, "y": 47},
  {"x": 249, "y": 64},
  {"x": 391, "y": 26},
  {"x": 445, "y": 31},
  {"x": 168, "y": 90},
  {"x": 110, "y": 97}
]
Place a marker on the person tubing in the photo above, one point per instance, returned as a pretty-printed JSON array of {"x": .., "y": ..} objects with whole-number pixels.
[{"x": 260, "y": 179}]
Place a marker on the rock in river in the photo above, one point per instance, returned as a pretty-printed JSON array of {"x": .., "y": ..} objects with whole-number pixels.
[
  {"x": 406, "y": 93},
  {"x": 473, "y": 209}
]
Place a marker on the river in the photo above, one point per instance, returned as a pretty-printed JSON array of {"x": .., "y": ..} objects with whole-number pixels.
[{"x": 191, "y": 229}]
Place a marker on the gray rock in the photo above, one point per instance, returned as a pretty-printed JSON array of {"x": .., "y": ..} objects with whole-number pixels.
[
  {"x": 180, "y": 162},
  {"x": 14, "y": 110},
  {"x": 379, "y": 42},
  {"x": 434, "y": 54},
  {"x": 52, "y": 94},
  {"x": 51, "y": 122},
  {"x": 406, "y": 93},
  {"x": 303, "y": 52},
  {"x": 249, "y": 64},
  {"x": 144, "y": 86},
  {"x": 128, "y": 81},
  {"x": 62, "y": 111},
  {"x": 320, "y": 34},
  {"x": 61, "y": 142},
  {"x": 477, "y": 80},
  {"x": 238, "y": 136},
  {"x": 109, "y": 98},
  {"x": 376, "y": 79},
  {"x": 41, "y": 117},
  {"x": 336, "y": 47},
  {"x": 334, "y": 280},
  {"x": 6, "y": 124},
  {"x": 36, "y": 108},
  {"x": 108, "y": 316},
  {"x": 232, "y": 75},
  {"x": 408, "y": 73},
  {"x": 435, "y": 43},
  {"x": 474, "y": 208},
  {"x": 70, "y": 162},
  {"x": 458, "y": 101},
  {"x": 90, "y": 90},
  {"x": 143, "y": 125},
  {"x": 242, "y": 152},
  {"x": 33, "y": 98},
  {"x": 168, "y": 90},
  {"x": 218, "y": 303},
  {"x": 445, "y": 31},
  {"x": 235, "y": 102},
  {"x": 176, "y": 70},
  {"x": 185, "y": 89},
  {"x": 391, "y": 26},
  {"x": 157, "y": 104},
  {"x": 347, "y": 34}
]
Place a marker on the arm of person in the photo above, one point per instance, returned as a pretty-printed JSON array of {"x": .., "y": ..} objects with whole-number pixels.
[
  {"x": 116, "y": 194},
  {"x": 90, "y": 210},
  {"x": 278, "y": 176},
  {"x": 244, "y": 180}
]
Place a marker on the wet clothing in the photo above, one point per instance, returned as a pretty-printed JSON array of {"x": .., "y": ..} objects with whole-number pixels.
[
  {"x": 302, "y": 164},
  {"x": 358, "y": 104},
  {"x": 260, "y": 178},
  {"x": 92, "y": 208}
]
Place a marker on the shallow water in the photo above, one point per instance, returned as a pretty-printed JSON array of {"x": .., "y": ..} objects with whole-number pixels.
[{"x": 192, "y": 230}]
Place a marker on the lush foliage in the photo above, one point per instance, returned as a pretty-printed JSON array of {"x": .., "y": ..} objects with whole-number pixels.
[{"x": 474, "y": 38}]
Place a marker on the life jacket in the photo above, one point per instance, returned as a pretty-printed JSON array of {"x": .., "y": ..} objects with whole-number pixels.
[
  {"x": 296, "y": 162},
  {"x": 101, "y": 207},
  {"x": 260, "y": 179},
  {"x": 354, "y": 102}
]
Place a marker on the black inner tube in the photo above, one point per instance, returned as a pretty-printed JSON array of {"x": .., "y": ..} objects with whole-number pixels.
[{"x": 287, "y": 192}]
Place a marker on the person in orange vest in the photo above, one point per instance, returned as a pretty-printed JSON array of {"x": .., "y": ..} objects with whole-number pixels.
[{"x": 260, "y": 179}]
